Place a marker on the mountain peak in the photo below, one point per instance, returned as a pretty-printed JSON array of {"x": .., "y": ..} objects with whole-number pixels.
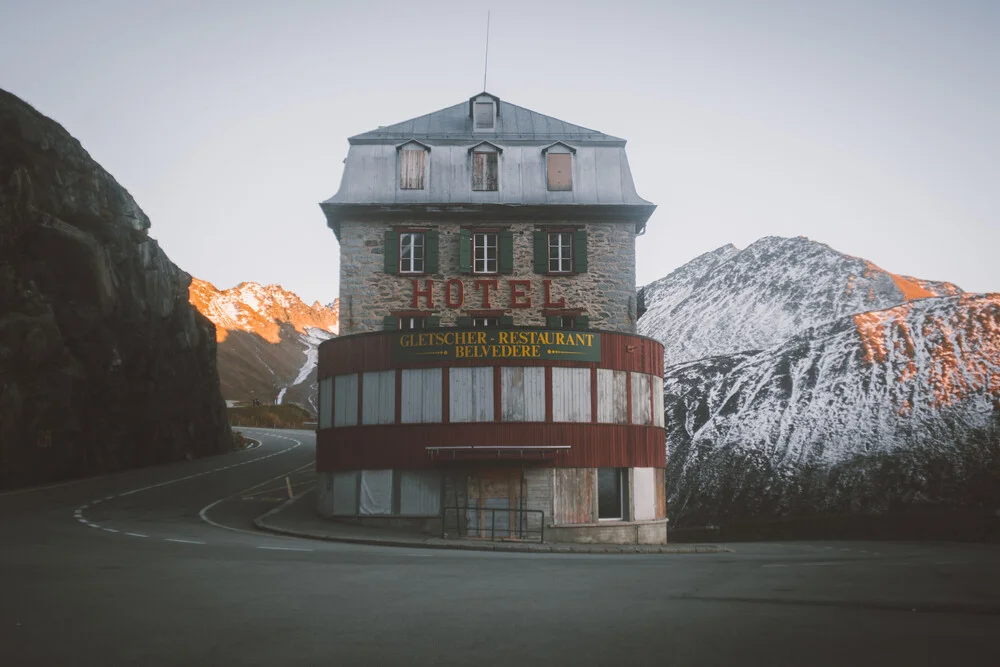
[{"x": 260, "y": 309}]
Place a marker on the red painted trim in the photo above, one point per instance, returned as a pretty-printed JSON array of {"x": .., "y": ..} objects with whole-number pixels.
[
  {"x": 410, "y": 313},
  {"x": 445, "y": 396},
  {"x": 399, "y": 397},
  {"x": 548, "y": 393},
  {"x": 403, "y": 446},
  {"x": 496, "y": 312},
  {"x": 593, "y": 395},
  {"x": 628, "y": 396},
  {"x": 497, "y": 398}
]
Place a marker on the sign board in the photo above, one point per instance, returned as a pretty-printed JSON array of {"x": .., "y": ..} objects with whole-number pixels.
[{"x": 431, "y": 345}]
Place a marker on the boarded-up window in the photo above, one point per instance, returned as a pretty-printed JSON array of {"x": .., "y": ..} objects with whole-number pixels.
[
  {"x": 471, "y": 394},
  {"x": 411, "y": 168},
  {"x": 657, "y": 385},
  {"x": 571, "y": 394},
  {"x": 642, "y": 412},
  {"x": 421, "y": 399},
  {"x": 612, "y": 399},
  {"x": 484, "y": 170},
  {"x": 345, "y": 493},
  {"x": 484, "y": 116},
  {"x": 376, "y": 492},
  {"x": 523, "y": 394},
  {"x": 378, "y": 405},
  {"x": 345, "y": 400},
  {"x": 560, "y": 171},
  {"x": 644, "y": 494},
  {"x": 326, "y": 403},
  {"x": 419, "y": 493}
]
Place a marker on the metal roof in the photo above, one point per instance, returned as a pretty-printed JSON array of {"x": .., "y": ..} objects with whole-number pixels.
[{"x": 513, "y": 123}]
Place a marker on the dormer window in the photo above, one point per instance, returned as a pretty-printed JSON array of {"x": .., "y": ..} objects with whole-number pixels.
[
  {"x": 485, "y": 118},
  {"x": 412, "y": 165},
  {"x": 559, "y": 166},
  {"x": 485, "y": 167}
]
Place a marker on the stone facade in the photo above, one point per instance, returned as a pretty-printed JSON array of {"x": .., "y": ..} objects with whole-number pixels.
[{"x": 606, "y": 292}]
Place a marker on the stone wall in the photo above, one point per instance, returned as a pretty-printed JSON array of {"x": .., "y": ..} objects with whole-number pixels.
[{"x": 606, "y": 292}]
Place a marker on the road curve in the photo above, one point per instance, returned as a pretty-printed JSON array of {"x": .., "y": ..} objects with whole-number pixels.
[{"x": 162, "y": 566}]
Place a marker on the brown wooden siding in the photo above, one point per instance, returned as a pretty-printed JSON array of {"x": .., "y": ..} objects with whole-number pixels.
[
  {"x": 661, "y": 493},
  {"x": 373, "y": 352},
  {"x": 573, "y": 496},
  {"x": 403, "y": 446}
]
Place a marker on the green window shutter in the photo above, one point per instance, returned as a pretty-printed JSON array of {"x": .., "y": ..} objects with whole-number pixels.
[
  {"x": 433, "y": 322},
  {"x": 580, "y": 251},
  {"x": 391, "y": 251},
  {"x": 464, "y": 322},
  {"x": 431, "y": 251},
  {"x": 390, "y": 323},
  {"x": 553, "y": 322},
  {"x": 581, "y": 322},
  {"x": 506, "y": 321},
  {"x": 506, "y": 251},
  {"x": 464, "y": 251},
  {"x": 541, "y": 252}
]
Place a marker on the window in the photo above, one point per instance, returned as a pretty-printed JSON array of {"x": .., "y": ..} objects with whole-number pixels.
[
  {"x": 418, "y": 322},
  {"x": 560, "y": 171},
  {"x": 578, "y": 322},
  {"x": 484, "y": 116},
  {"x": 411, "y": 252},
  {"x": 484, "y": 252},
  {"x": 484, "y": 170},
  {"x": 485, "y": 322},
  {"x": 411, "y": 168},
  {"x": 560, "y": 252},
  {"x": 612, "y": 487}
]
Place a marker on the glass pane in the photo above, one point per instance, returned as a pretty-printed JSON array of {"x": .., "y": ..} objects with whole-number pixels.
[
  {"x": 484, "y": 115},
  {"x": 609, "y": 493}
]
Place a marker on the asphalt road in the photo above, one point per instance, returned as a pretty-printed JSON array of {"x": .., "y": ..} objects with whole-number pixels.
[{"x": 161, "y": 566}]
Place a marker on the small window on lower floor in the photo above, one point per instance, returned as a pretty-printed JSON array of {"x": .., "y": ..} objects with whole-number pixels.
[
  {"x": 485, "y": 322},
  {"x": 612, "y": 490}
]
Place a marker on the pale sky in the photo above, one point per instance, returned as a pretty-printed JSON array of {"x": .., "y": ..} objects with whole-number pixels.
[{"x": 873, "y": 126}]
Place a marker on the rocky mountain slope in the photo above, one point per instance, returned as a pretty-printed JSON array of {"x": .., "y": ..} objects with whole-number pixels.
[
  {"x": 268, "y": 339},
  {"x": 103, "y": 363},
  {"x": 883, "y": 410},
  {"x": 731, "y": 300}
]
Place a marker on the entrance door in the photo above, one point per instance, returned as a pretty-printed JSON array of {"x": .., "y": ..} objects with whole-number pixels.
[{"x": 492, "y": 494}]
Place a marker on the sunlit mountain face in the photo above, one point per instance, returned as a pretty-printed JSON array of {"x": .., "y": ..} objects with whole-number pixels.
[
  {"x": 268, "y": 340},
  {"x": 800, "y": 380}
]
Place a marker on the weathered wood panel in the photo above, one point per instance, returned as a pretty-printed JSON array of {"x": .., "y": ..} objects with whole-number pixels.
[
  {"x": 656, "y": 383},
  {"x": 326, "y": 402},
  {"x": 419, "y": 493},
  {"x": 641, "y": 406},
  {"x": 345, "y": 493},
  {"x": 612, "y": 399},
  {"x": 523, "y": 394},
  {"x": 421, "y": 400},
  {"x": 661, "y": 493},
  {"x": 378, "y": 397},
  {"x": 571, "y": 394},
  {"x": 644, "y": 494},
  {"x": 345, "y": 398},
  {"x": 471, "y": 394},
  {"x": 574, "y": 499}
]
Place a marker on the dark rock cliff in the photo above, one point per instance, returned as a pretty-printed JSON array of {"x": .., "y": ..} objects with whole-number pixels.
[{"x": 104, "y": 365}]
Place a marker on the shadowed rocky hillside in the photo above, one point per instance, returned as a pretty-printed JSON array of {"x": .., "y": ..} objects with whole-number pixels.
[{"x": 104, "y": 364}]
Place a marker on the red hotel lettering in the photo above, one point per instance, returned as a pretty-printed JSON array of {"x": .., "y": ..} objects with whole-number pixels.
[
  {"x": 447, "y": 293},
  {"x": 549, "y": 303},
  {"x": 517, "y": 292},
  {"x": 485, "y": 285},
  {"x": 417, "y": 293}
]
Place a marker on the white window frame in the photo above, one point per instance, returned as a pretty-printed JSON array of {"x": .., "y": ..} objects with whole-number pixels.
[
  {"x": 483, "y": 240},
  {"x": 411, "y": 322},
  {"x": 563, "y": 252},
  {"x": 413, "y": 263},
  {"x": 485, "y": 322}
]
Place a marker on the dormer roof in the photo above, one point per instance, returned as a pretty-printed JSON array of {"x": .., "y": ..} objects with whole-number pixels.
[{"x": 513, "y": 124}]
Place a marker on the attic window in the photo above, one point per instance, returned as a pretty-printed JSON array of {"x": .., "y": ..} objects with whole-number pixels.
[
  {"x": 412, "y": 166},
  {"x": 485, "y": 117}
]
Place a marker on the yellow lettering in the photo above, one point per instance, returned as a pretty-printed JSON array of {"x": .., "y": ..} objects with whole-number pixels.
[
  {"x": 502, "y": 337},
  {"x": 534, "y": 351},
  {"x": 560, "y": 338},
  {"x": 482, "y": 337}
]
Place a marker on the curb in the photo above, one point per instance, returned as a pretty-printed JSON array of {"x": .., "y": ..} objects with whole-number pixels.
[{"x": 261, "y": 523}]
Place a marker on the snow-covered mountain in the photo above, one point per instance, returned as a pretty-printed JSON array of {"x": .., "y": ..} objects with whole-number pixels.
[
  {"x": 731, "y": 300},
  {"x": 267, "y": 340},
  {"x": 890, "y": 409}
]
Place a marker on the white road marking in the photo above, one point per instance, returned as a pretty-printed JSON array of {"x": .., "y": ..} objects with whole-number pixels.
[
  {"x": 284, "y": 549},
  {"x": 82, "y": 520},
  {"x": 137, "y": 535},
  {"x": 93, "y": 525},
  {"x": 110, "y": 530},
  {"x": 776, "y": 565},
  {"x": 170, "y": 539}
]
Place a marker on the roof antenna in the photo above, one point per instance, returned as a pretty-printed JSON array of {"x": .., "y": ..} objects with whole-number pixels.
[{"x": 486, "y": 64}]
